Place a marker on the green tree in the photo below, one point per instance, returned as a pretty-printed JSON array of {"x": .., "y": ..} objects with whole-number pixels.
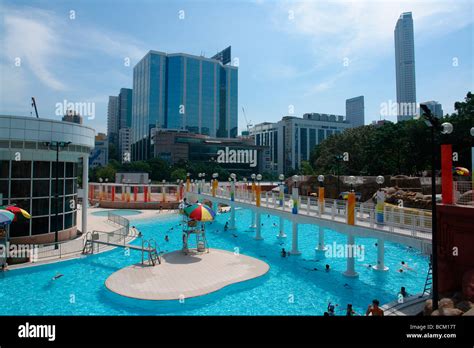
[
  {"x": 306, "y": 168},
  {"x": 178, "y": 174},
  {"x": 401, "y": 148}
]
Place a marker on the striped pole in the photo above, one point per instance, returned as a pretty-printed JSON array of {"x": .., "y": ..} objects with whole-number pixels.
[{"x": 351, "y": 208}]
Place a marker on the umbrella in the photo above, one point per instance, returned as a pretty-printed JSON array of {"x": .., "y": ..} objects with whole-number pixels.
[
  {"x": 6, "y": 217},
  {"x": 461, "y": 171},
  {"x": 199, "y": 212},
  {"x": 19, "y": 213}
]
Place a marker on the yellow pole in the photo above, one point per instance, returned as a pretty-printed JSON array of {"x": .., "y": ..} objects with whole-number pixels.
[
  {"x": 351, "y": 208},
  {"x": 257, "y": 192}
]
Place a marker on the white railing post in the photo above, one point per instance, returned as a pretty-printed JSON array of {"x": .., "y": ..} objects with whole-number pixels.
[
  {"x": 308, "y": 203},
  {"x": 333, "y": 210}
]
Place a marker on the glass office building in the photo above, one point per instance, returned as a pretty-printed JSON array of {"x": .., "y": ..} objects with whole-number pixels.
[{"x": 182, "y": 92}]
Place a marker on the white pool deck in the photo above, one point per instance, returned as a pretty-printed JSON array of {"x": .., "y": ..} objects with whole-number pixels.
[{"x": 182, "y": 276}]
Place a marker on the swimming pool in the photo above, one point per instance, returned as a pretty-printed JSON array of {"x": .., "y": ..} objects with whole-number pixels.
[
  {"x": 121, "y": 212},
  {"x": 291, "y": 287}
]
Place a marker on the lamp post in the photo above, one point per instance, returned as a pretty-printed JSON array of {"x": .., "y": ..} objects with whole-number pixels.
[
  {"x": 214, "y": 184},
  {"x": 281, "y": 193},
  {"x": 258, "y": 190},
  {"x": 338, "y": 158},
  {"x": 351, "y": 202},
  {"x": 254, "y": 185},
  {"x": 100, "y": 188},
  {"x": 245, "y": 187},
  {"x": 106, "y": 188},
  {"x": 188, "y": 181},
  {"x": 232, "y": 179},
  {"x": 57, "y": 145},
  {"x": 380, "y": 196},
  {"x": 294, "y": 194},
  {"x": 445, "y": 128},
  {"x": 321, "y": 193}
]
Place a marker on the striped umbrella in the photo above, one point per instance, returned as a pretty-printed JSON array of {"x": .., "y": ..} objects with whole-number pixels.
[
  {"x": 6, "y": 217},
  {"x": 199, "y": 212},
  {"x": 461, "y": 171},
  {"x": 20, "y": 214}
]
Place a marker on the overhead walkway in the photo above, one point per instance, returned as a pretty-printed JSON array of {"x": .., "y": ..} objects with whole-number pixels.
[{"x": 406, "y": 226}]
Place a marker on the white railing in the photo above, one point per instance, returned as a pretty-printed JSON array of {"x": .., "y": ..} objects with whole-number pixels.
[{"x": 416, "y": 223}]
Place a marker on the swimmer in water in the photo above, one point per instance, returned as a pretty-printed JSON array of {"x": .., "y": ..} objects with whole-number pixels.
[
  {"x": 347, "y": 286},
  {"x": 405, "y": 265},
  {"x": 327, "y": 268},
  {"x": 57, "y": 276},
  {"x": 167, "y": 238}
]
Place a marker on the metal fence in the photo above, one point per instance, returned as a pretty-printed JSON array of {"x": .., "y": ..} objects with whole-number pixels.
[
  {"x": 75, "y": 246},
  {"x": 463, "y": 192}
]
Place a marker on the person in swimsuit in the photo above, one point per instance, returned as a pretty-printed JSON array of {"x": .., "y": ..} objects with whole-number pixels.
[
  {"x": 374, "y": 309},
  {"x": 349, "y": 311}
]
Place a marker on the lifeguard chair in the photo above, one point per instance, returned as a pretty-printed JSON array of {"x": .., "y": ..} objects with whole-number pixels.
[{"x": 193, "y": 228}]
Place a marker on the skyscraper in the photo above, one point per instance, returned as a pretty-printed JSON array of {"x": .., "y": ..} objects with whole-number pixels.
[
  {"x": 405, "y": 67},
  {"x": 185, "y": 92},
  {"x": 355, "y": 111},
  {"x": 435, "y": 107},
  {"x": 113, "y": 120},
  {"x": 125, "y": 108}
]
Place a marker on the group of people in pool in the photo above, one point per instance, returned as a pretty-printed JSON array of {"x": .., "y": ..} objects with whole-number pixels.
[{"x": 373, "y": 310}]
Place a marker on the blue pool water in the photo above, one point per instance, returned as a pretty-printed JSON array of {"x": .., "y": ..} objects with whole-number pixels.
[
  {"x": 121, "y": 212},
  {"x": 290, "y": 287}
]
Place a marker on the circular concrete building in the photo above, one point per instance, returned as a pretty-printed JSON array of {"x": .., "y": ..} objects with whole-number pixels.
[{"x": 28, "y": 163}]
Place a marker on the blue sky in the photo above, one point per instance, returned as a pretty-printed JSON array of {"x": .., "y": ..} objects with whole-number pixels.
[{"x": 310, "y": 55}]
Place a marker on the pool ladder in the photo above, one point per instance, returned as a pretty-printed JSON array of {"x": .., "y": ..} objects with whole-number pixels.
[
  {"x": 428, "y": 281},
  {"x": 153, "y": 251}
]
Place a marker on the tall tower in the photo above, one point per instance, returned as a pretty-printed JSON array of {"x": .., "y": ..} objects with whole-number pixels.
[
  {"x": 405, "y": 67},
  {"x": 355, "y": 111}
]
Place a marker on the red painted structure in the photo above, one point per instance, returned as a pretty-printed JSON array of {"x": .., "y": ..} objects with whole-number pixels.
[
  {"x": 455, "y": 242},
  {"x": 447, "y": 173}
]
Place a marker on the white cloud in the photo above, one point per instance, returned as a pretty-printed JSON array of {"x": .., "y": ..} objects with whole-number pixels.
[
  {"x": 45, "y": 41},
  {"x": 35, "y": 44},
  {"x": 364, "y": 29}
]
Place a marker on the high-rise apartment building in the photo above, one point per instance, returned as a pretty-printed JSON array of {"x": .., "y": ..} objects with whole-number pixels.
[
  {"x": 355, "y": 111},
  {"x": 292, "y": 139},
  {"x": 182, "y": 92},
  {"x": 405, "y": 67}
]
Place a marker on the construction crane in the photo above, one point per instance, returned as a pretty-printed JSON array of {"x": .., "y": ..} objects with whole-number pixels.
[
  {"x": 33, "y": 104},
  {"x": 249, "y": 124}
]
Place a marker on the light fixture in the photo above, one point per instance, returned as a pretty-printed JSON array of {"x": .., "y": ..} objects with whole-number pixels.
[{"x": 446, "y": 128}]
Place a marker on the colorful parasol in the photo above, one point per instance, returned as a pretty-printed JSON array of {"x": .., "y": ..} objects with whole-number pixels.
[
  {"x": 461, "y": 171},
  {"x": 20, "y": 214},
  {"x": 6, "y": 217},
  {"x": 199, "y": 212}
]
